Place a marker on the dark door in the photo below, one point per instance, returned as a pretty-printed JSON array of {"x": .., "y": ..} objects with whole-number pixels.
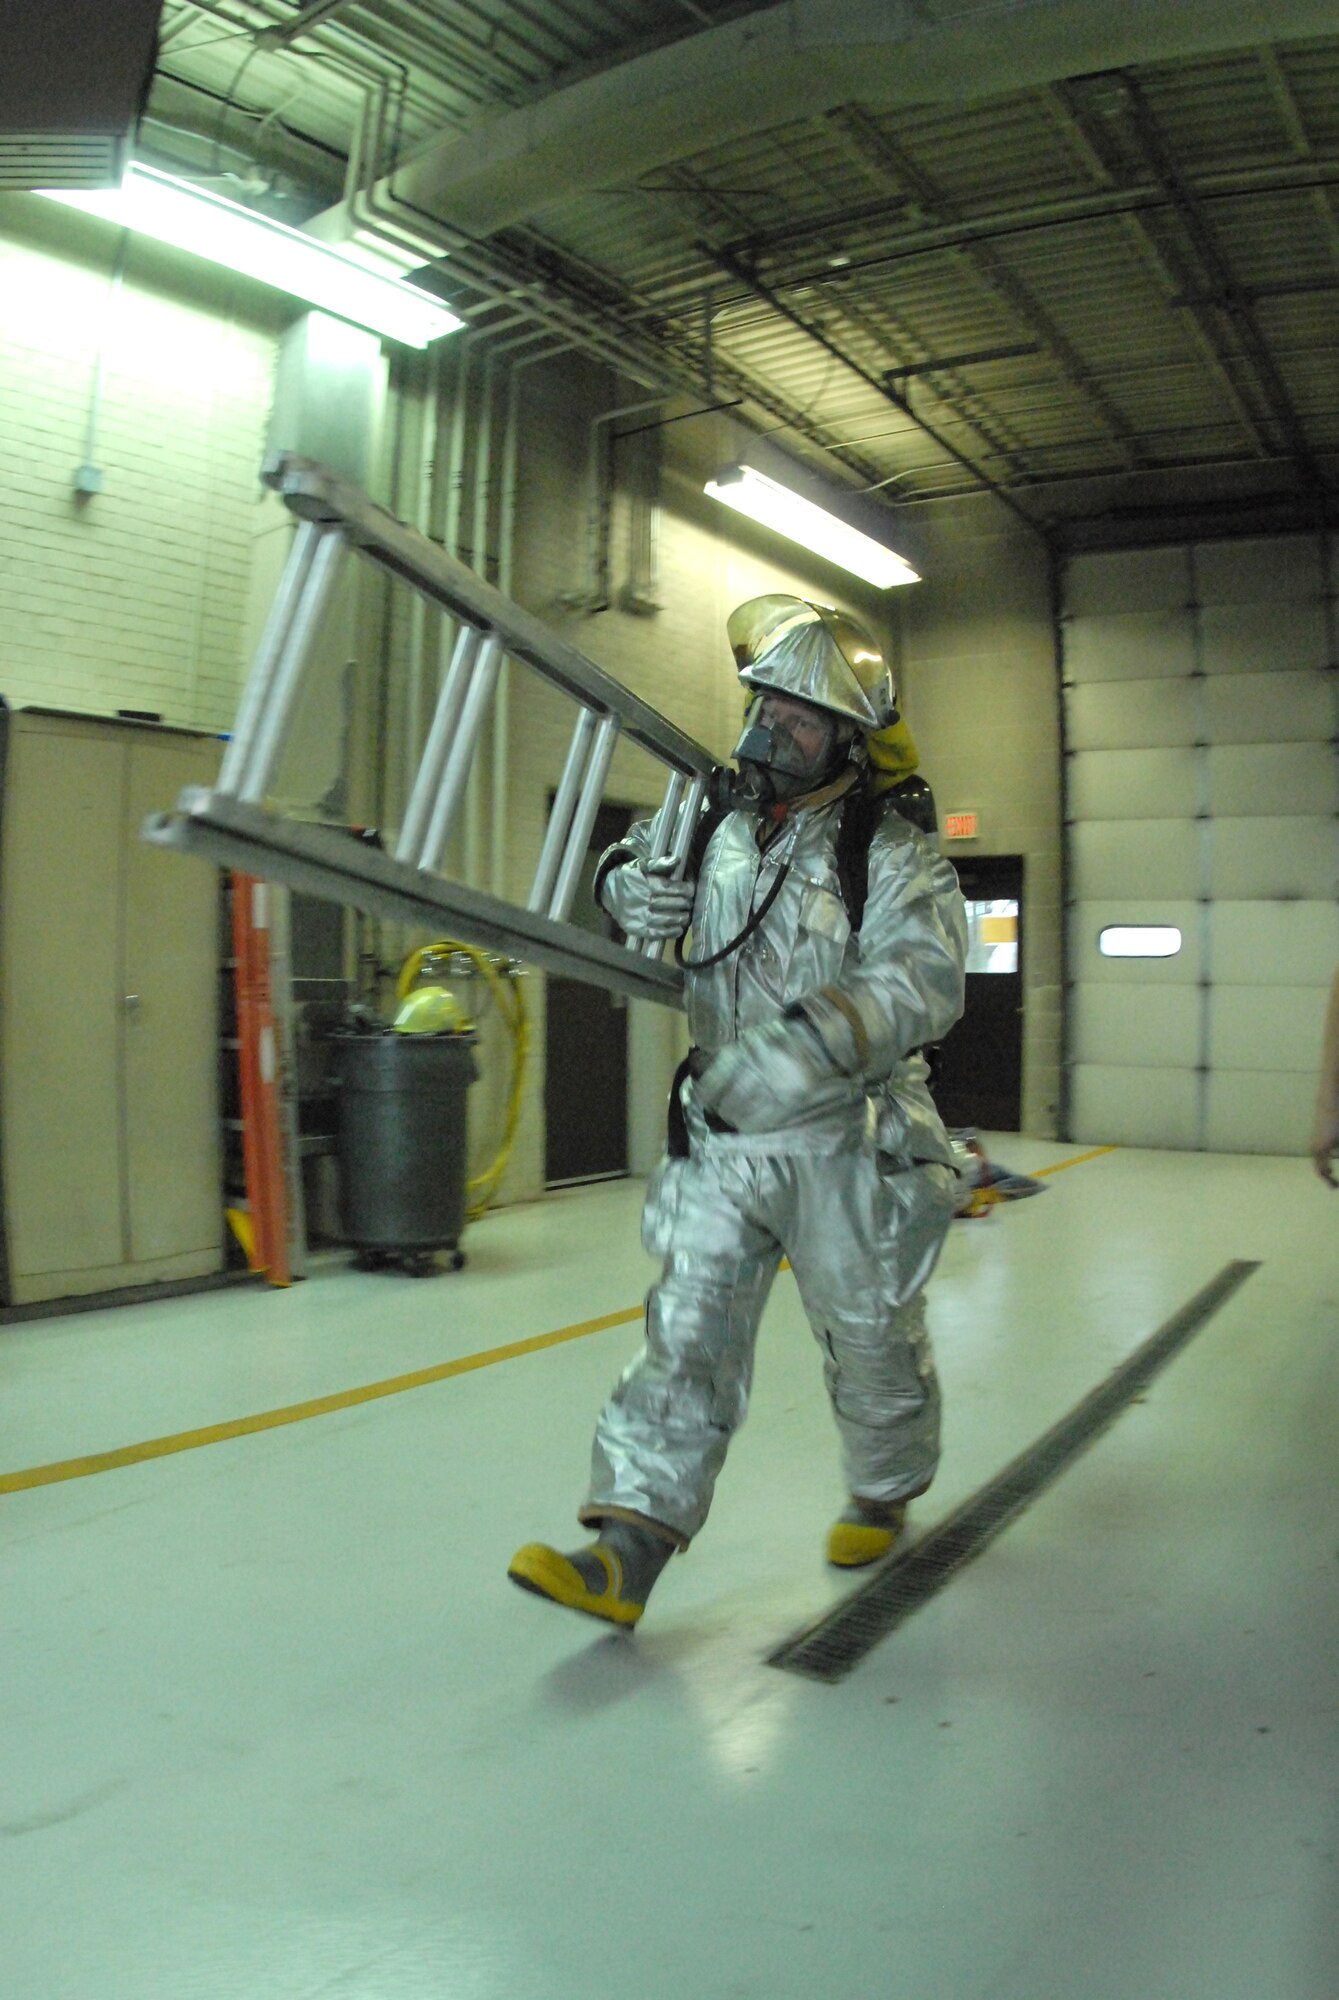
[
  {"x": 586, "y": 1049},
  {"x": 977, "y": 1071}
]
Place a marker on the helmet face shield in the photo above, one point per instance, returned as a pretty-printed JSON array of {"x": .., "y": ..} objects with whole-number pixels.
[{"x": 815, "y": 653}]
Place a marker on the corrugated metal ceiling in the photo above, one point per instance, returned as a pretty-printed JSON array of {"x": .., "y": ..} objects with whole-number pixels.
[{"x": 1092, "y": 287}]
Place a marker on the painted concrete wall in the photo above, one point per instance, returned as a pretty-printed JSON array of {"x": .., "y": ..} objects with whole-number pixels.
[
  {"x": 977, "y": 666},
  {"x": 149, "y": 594}
]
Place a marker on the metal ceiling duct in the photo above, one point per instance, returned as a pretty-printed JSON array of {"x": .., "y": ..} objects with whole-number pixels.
[
  {"x": 794, "y": 60},
  {"x": 73, "y": 78}
]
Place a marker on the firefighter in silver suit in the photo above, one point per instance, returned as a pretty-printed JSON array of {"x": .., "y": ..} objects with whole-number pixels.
[{"x": 805, "y": 1128}]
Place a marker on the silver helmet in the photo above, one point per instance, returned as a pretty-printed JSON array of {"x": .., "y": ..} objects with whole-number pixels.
[{"x": 815, "y": 653}]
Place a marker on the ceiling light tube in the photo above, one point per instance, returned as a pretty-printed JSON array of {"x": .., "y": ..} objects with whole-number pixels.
[
  {"x": 813, "y": 527},
  {"x": 223, "y": 232}
]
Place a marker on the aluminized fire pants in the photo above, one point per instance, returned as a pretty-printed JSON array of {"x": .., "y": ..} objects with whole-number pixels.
[{"x": 862, "y": 1239}]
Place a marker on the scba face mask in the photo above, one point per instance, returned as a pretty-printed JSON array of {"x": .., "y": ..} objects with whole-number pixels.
[{"x": 788, "y": 747}]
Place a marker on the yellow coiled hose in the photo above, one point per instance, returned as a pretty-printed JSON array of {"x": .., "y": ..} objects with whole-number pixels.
[{"x": 509, "y": 999}]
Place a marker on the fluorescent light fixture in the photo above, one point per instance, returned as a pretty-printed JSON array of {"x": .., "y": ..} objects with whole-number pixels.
[
  {"x": 813, "y": 527},
  {"x": 223, "y": 232},
  {"x": 1139, "y": 941}
]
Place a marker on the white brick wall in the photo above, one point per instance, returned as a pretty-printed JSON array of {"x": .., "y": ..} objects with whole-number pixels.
[{"x": 135, "y": 597}]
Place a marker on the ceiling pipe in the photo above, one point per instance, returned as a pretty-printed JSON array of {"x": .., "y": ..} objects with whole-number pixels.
[
  {"x": 662, "y": 364},
  {"x": 371, "y": 209},
  {"x": 881, "y": 386},
  {"x": 313, "y": 13},
  {"x": 372, "y": 205},
  {"x": 600, "y": 498}
]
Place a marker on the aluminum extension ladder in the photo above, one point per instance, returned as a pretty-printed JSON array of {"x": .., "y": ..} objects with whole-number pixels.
[{"x": 231, "y": 824}]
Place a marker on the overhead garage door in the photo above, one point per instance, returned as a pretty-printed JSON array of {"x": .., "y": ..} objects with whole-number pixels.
[{"x": 1202, "y": 718}]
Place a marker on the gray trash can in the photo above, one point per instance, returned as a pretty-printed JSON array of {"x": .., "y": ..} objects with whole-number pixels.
[{"x": 401, "y": 1144}]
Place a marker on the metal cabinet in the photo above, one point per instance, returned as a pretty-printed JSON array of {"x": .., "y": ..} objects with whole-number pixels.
[{"x": 109, "y": 1113}]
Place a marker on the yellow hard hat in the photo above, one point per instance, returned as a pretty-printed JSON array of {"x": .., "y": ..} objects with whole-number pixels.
[{"x": 432, "y": 1010}]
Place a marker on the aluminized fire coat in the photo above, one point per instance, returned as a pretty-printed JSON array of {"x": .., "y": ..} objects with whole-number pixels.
[{"x": 853, "y": 1181}]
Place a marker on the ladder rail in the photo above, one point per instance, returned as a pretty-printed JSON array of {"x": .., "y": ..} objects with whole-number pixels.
[
  {"x": 675, "y": 839},
  {"x": 273, "y": 640},
  {"x": 313, "y": 493},
  {"x": 235, "y": 826},
  {"x": 276, "y": 720},
  {"x": 323, "y": 861},
  {"x": 445, "y": 720},
  {"x": 560, "y": 815},
  {"x": 455, "y": 774},
  {"x": 687, "y": 826},
  {"x": 583, "y": 819},
  {"x": 662, "y": 826}
]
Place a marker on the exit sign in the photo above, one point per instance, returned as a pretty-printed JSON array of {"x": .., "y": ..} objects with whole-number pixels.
[{"x": 961, "y": 826}]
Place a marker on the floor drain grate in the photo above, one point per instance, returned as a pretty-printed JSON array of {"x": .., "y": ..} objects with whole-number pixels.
[{"x": 829, "y": 1649}]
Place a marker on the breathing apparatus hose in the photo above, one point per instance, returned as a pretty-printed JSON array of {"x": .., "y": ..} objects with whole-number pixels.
[
  {"x": 509, "y": 999},
  {"x": 701, "y": 964},
  {"x": 845, "y": 782}
]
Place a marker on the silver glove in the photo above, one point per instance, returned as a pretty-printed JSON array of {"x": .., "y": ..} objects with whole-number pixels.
[
  {"x": 643, "y": 900},
  {"x": 768, "y": 1077}
]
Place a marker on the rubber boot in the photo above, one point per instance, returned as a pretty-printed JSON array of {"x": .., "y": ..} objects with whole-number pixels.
[
  {"x": 611, "y": 1578},
  {"x": 865, "y": 1532}
]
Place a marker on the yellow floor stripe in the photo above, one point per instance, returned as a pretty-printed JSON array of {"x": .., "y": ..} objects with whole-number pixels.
[
  {"x": 993, "y": 1196},
  {"x": 1077, "y": 1161},
  {"x": 296, "y": 1413},
  {"x": 347, "y": 1399}
]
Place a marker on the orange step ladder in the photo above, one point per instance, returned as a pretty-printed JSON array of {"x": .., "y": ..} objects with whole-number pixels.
[{"x": 258, "y": 1064}]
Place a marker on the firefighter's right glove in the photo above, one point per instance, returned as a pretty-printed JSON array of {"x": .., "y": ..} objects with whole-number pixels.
[
  {"x": 767, "y": 1078},
  {"x": 644, "y": 901}
]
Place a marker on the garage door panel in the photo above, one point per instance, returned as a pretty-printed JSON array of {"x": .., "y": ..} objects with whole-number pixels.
[
  {"x": 1128, "y": 580},
  {"x": 1133, "y": 784},
  {"x": 1266, "y": 708},
  {"x": 1089, "y": 966},
  {"x": 1132, "y": 715},
  {"x": 1113, "y": 858},
  {"x": 1201, "y": 700},
  {"x": 1285, "y": 944},
  {"x": 1258, "y": 568},
  {"x": 1275, "y": 1028},
  {"x": 1268, "y": 1029},
  {"x": 1263, "y": 638},
  {"x": 1254, "y": 1111},
  {"x": 1253, "y": 860},
  {"x": 1276, "y": 780},
  {"x": 1135, "y": 646},
  {"x": 1117, "y": 1026},
  {"x": 1134, "y": 1107}
]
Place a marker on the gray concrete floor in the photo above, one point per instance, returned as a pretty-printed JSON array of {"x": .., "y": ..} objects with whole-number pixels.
[{"x": 276, "y": 1726}]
